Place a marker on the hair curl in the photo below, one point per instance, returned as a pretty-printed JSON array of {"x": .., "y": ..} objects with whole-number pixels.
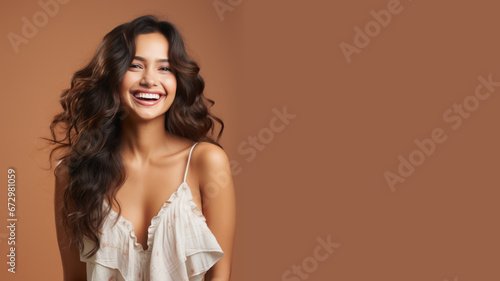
[{"x": 91, "y": 121}]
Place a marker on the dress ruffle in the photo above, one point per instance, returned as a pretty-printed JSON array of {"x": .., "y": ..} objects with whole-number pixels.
[{"x": 180, "y": 245}]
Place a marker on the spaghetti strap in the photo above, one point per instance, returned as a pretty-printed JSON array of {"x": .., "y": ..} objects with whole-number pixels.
[{"x": 189, "y": 158}]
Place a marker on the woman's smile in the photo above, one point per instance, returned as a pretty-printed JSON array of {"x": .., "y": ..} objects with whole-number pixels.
[{"x": 147, "y": 97}]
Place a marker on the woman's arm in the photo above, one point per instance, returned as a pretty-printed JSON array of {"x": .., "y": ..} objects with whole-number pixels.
[
  {"x": 73, "y": 268},
  {"x": 219, "y": 206}
]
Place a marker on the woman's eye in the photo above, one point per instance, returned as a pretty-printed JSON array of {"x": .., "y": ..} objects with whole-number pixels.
[
  {"x": 135, "y": 66},
  {"x": 165, "y": 68}
]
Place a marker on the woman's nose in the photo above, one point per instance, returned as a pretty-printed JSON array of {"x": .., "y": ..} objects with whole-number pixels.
[{"x": 149, "y": 80}]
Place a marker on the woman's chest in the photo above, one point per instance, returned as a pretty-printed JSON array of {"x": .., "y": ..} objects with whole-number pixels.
[{"x": 141, "y": 197}]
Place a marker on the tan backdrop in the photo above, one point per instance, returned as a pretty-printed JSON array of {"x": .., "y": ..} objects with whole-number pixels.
[{"x": 363, "y": 134}]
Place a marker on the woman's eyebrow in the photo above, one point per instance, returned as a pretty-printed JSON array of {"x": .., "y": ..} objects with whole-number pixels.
[{"x": 144, "y": 60}]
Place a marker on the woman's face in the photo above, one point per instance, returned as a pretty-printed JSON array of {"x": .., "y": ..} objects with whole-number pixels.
[{"x": 147, "y": 89}]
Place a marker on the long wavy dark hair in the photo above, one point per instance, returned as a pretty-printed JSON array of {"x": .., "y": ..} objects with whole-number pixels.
[{"x": 91, "y": 119}]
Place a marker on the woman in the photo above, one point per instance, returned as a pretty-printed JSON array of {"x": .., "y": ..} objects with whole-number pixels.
[{"x": 138, "y": 168}]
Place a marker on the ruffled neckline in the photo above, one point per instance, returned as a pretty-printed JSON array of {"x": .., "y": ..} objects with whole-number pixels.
[{"x": 155, "y": 220}]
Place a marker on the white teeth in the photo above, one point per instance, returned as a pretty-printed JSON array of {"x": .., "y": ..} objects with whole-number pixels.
[{"x": 147, "y": 96}]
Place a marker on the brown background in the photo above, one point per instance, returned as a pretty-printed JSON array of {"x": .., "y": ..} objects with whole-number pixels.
[{"x": 323, "y": 174}]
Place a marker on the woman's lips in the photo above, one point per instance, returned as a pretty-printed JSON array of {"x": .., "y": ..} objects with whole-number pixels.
[{"x": 148, "y": 102}]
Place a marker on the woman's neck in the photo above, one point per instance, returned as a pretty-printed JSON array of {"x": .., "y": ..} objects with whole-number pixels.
[{"x": 142, "y": 140}]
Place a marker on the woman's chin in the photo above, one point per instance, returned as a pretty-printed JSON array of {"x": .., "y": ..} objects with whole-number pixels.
[{"x": 143, "y": 116}]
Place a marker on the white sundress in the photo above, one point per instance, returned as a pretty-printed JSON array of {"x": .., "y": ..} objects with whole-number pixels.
[{"x": 180, "y": 246}]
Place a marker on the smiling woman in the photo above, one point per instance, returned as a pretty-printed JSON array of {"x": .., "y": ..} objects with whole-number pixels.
[
  {"x": 148, "y": 89},
  {"x": 131, "y": 122}
]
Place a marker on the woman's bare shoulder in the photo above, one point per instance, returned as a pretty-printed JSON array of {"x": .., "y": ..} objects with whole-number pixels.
[
  {"x": 211, "y": 163},
  {"x": 209, "y": 154},
  {"x": 61, "y": 172}
]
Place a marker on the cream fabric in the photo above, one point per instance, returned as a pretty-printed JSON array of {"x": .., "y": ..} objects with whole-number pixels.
[{"x": 180, "y": 245}]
